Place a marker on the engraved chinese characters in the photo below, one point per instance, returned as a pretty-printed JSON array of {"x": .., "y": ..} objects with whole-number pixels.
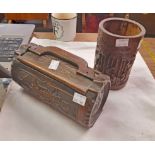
[{"x": 117, "y": 44}]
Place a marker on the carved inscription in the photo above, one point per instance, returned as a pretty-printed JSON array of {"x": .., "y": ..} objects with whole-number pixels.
[
  {"x": 113, "y": 61},
  {"x": 116, "y": 66},
  {"x": 46, "y": 92}
]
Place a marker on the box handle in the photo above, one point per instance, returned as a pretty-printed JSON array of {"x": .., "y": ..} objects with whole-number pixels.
[{"x": 82, "y": 65}]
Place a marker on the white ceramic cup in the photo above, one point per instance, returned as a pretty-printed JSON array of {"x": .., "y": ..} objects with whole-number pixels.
[{"x": 64, "y": 26}]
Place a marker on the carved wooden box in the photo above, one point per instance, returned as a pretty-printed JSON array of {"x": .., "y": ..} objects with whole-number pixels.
[{"x": 72, "y": 88}]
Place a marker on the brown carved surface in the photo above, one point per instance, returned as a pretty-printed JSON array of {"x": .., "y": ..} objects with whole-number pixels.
[
  {"x": 116, "y": 61},
  {"x": 59, "y": 95},
  {"x": 45, "y": 90}
]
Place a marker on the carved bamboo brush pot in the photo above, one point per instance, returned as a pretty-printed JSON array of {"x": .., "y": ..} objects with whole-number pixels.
[{"x": 118, "y": 41}]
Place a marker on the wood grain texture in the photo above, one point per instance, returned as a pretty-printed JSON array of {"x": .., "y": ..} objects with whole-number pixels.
[
  {"x": 26, "y": 16},
  {"x": 89, "y": 37}
]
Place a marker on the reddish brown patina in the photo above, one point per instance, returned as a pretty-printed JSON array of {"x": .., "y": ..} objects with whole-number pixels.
[{"x": 118, "y": 41}]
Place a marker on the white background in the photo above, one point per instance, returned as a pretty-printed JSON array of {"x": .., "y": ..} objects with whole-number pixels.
[{"x": 100, "y": 6}]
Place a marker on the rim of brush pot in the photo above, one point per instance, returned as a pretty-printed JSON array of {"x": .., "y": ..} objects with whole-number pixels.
[{"x": 141, "y": 33}]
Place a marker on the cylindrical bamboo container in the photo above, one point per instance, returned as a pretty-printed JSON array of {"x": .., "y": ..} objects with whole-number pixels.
[{"x": 118, "y": 41}]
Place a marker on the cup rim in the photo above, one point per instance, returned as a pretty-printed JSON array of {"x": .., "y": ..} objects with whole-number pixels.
[
  {"x": 64, "y": 19},
  {"x": 142, "y": 33}
]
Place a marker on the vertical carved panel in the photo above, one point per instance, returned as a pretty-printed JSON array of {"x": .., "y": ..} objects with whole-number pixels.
[{"x": 117, "y": 66}]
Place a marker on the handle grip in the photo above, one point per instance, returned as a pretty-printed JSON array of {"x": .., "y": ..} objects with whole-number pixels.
[{"x": 82, "y": 65}]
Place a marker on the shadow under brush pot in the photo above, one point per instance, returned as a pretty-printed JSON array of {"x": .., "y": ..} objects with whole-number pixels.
[{"x": 118, "y": 41}]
